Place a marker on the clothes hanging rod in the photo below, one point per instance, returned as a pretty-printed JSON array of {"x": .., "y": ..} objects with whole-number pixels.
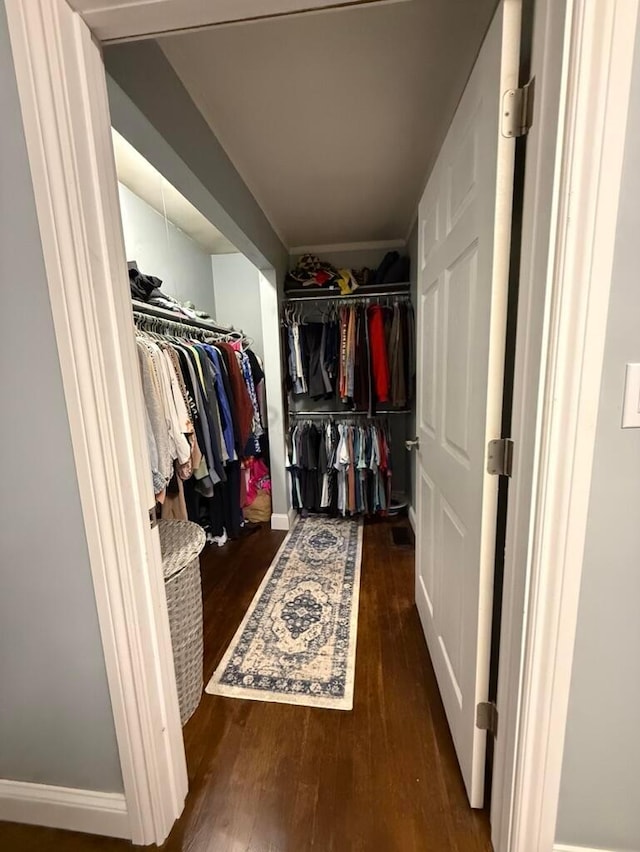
[
  {"x": 384, "y": 412},
  {"x": 325, "y": 296},
  {"x": 168, "y": 316}
]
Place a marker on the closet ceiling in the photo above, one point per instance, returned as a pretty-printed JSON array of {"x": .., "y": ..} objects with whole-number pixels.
[{"x": 334, "y": 119}]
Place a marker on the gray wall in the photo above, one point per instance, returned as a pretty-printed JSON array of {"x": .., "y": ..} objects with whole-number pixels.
[
  {"x": 56, "y": 723},
  {"x": 236, "y": 283},
  {"x": 163, "y": 250},
  {"x": 599, "y": 797}
]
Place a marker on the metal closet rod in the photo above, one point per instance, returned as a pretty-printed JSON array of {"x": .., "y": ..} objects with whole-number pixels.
[
  {"x": 168, "y": 316},
  {"x": 384, "y": 412},
  {"x": 336, "y": 297}
]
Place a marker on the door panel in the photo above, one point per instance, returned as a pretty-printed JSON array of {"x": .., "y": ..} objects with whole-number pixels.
[
  {"x": 459, "y": 299},
  {"x": 464, "y": 231},
  {"x": 427, "y": 523},
  {"x": 427, "y": 320},
  {"x": 462, "y": 175}
]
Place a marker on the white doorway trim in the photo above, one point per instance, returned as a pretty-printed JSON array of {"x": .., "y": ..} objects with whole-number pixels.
[
  {"x": 548, "y": 506},
  {"x": 61, "y": 84},
  {"x": 132, "y": 19}
]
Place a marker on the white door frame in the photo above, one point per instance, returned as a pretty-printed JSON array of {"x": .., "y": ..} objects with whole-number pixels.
[
  {"x": 539, "y": 192},
  {"x": 63, "y": 98},
  {"x": 135, "y": 19},
  {"x": 570, "y": 244}
]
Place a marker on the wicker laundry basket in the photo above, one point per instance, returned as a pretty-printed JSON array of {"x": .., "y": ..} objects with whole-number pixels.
[{"x": 181, "y": 543}]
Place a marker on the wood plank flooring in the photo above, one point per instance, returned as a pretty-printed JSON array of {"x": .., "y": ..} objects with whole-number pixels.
[{"x": 277, "y": 778}]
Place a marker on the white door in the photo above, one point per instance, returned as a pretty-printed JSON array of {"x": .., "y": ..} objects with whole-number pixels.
[{"x": 464, "y": 234}]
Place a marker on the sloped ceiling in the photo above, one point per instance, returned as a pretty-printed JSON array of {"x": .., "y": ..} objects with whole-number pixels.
[{"x": 334, "y": 119}]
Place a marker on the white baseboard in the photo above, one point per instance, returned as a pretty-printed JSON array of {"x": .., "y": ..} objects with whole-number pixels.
[
  {"x": 282, "y": 521},
  {"x": 561, "y": 847},
  {"x": 412, "y": 518},
  {"x": 64, "y": 807}
]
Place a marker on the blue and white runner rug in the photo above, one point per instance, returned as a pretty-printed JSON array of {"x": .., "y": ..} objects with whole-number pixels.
[{"x": 297, "y": 642}]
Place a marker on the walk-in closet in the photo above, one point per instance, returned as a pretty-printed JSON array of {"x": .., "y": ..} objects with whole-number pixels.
[
  {"x": 281, "y": 380},
  {"x": 344, "y": 331}
]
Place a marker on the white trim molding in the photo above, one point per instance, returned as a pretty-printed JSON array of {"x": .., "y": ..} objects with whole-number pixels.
[
  {"x": 283, "y": 521},
  {"x": 63, "y": 97},
  {"x": 64, "y": 807},
  {"x": 274, "y": 382},
  {"x": 561, "y": 847},
  {"x": 340, "y": 247},
  {"x": 543, "y": 150},
  {"x": 598, "y": 54},
  {"x": 412, "y": 518},
  {"x": 134, "y": 19}
]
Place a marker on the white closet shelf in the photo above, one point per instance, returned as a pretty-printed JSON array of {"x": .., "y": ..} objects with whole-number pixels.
[
  {"x": 180, "y": 319},
  {"x": 374, "y": 291}
]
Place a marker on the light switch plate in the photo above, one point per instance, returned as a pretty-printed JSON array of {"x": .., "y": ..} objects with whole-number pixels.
[{"x": 631, "y": 406}]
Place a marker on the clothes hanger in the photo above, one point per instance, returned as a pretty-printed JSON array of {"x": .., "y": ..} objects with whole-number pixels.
[
  {"x": 325, "y": 312},
  {"x": 287, "y": 316}
]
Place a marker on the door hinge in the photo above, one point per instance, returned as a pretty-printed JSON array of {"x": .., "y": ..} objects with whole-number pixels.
[
  {"x": 500, "y": 457},
  {"x": 487, "y": 717},
  {"x": 517, "y": 110},
  {"x": 153, "y": 517}
]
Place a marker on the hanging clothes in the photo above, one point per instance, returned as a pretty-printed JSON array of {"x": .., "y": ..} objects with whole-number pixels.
[
  {"x": 362, "y": 380},
  {"x": 203, "y": 421},
  {"x": 397, "y": 354},
  {"x": 241, "y": 399},
  {"x": 364, "y": 356},
  {"x": 296, "y": 359},
  {"x": 379, "y": 353},
  {"x": 340, "y": 468}
]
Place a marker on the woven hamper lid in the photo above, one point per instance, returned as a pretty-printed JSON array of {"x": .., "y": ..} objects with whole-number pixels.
[{"x": 180, "y": 542}]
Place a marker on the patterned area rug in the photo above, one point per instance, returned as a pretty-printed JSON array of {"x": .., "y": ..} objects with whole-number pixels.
[{"x": 297, "y": 642}]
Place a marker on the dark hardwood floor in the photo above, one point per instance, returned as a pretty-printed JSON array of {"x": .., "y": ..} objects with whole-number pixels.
[{"x": 277, "y": 778}]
